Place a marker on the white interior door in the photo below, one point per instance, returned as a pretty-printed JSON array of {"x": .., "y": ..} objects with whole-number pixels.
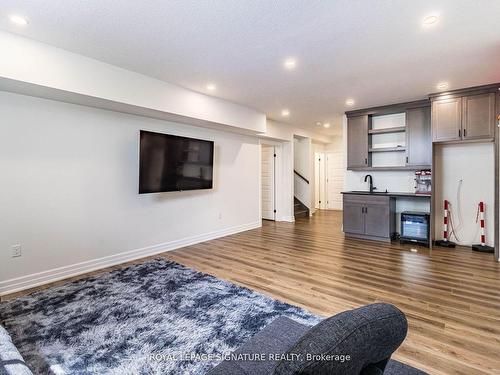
[
  {"x": 319, "y": 181},
  {"x": 268, "y": 182},
  {"x": 334, "y": 180}
]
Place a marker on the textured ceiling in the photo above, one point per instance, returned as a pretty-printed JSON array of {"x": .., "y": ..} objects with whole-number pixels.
[{"x": 376, "y": 52}]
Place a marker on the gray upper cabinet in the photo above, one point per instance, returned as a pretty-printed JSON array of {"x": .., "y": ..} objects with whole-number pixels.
[
  {"x": 372, "y": 135},
  {"x": 418, "y": 136},
  {"x": 464, "y": 115},
  {"x": 447, "y": 120},
  {"x": 478, "y": 116},
  {"x": 357, "y": 141}
]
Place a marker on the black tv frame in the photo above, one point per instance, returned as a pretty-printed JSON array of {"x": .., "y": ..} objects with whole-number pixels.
[{"x": 177, "y": 137}]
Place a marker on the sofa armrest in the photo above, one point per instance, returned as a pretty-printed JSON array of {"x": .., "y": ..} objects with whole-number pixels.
[
  {"x": 11, "y": 361},
  {"x": 349, "y": 342}
]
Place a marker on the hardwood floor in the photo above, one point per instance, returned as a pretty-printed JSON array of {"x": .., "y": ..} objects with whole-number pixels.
[{"x": 451, "y": 298}]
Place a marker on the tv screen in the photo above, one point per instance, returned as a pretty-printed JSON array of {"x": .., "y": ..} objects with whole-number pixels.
[{"x": 172, "y": 163}]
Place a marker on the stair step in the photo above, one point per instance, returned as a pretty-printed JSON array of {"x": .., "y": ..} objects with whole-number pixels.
[
  {"x": 301, "y": 214},
  {"x": 300, "y": 210}
]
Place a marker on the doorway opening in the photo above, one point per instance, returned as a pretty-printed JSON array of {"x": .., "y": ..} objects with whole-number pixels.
[{"x": 328, "y": 180}]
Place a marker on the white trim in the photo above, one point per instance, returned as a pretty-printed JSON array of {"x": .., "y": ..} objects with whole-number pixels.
[
  {"x": 290, "y": 219},
  {"x": 55, "y": 274}
]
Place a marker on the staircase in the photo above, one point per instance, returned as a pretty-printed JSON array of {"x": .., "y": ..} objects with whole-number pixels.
[{"x": 299, "y": 209}]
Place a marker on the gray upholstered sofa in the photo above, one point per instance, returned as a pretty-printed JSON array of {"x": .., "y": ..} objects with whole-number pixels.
[
  {"x": 11, "y": 362},
  {"x": 368, "y": 335}
]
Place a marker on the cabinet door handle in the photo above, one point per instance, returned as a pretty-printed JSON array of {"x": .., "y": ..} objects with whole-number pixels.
[
  {"x": 366, "y": 160},
  {"x": 459, "y": 133},
  {"x": 407, "y": 160},
  {"x": 366, "y": 210},
  {"x": 465, "y": 133}
]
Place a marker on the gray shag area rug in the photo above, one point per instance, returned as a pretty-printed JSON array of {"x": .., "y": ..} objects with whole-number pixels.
[{"x": 157, "y": 317}]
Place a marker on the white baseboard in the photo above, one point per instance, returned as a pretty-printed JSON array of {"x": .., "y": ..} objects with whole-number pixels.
[
  {"x": 55, "y": 274},
  {"x": 289, "y": 219}
]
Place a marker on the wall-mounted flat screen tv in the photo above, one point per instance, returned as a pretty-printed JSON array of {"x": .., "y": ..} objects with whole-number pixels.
[{"x": 172, "y": 163}]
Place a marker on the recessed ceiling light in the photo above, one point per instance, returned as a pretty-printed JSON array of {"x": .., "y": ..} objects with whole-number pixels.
[
  {"x": 430, "y": 20},
  {"x": 442, "y": 85},
  {"x": 18, "y": 20},
  {"x": 349, "y": 102},
  {"x": 211, "y": 87},
  {"x": 285, "y": 112},
  {"x": 326, "y": 125},
  {"x": 319, "y": 123},
  {"x": 290, "y": 63}
]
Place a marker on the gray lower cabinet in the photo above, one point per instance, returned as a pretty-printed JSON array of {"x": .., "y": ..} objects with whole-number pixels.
[
  {"x": 354, "y": 221},
  {"x": 357, "y": 142},
  {"x": 377, "y": 219},
  {"x": 369, "y": 217}
]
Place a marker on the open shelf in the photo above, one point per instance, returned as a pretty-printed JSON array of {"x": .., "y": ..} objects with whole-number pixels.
[
  {"x": 399, "y": 129},
  {"x": 387, "y": 149}
]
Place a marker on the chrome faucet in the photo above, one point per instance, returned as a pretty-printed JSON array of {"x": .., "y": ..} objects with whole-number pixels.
[{"x": 371, "y": 182}]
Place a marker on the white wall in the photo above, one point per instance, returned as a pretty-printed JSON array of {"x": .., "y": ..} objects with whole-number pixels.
[
  {"x": 286, "y": 132},
  {"x": 36, "y": 64},
  {"x": 69, "y": 177},
  {"x": 302, "y": 156},
  {"x": 302, "y": 151},
  {"x": 472, "y": 163}
]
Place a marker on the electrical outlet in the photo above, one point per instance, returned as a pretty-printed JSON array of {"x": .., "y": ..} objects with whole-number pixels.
[{"x": 15, "y": 250}]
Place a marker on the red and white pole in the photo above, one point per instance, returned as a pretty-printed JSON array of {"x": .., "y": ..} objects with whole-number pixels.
[
  {"x": 482, "y": 247},
  {"x": 445, "y": 221},
  {"x": 481, "y": 220}
]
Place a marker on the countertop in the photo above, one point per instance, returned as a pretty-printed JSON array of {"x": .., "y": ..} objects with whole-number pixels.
[{"x": 388, "y": 194}]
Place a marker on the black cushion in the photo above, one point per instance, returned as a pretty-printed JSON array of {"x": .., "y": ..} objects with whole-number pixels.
[
  {"x": 368, "y": 335},
  {"x": 276, "y": 338}
]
